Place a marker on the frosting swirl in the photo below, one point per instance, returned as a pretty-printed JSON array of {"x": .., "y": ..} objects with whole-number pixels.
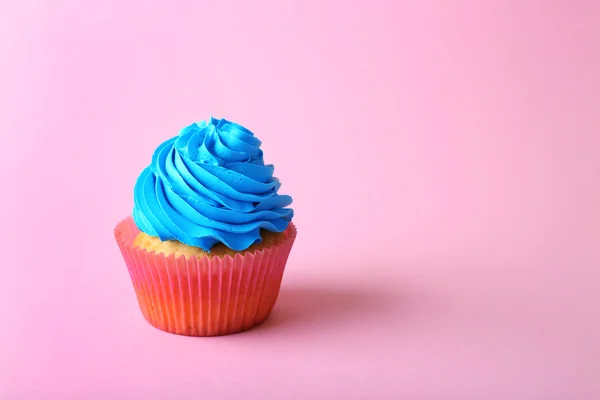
[{"x": 210, "y": 184}]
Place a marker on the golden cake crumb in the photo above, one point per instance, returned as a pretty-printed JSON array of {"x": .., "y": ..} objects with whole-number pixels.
[{"x": 168, "y": 247}]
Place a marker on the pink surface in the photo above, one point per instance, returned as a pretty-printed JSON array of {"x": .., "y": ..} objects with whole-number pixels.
[{"x": 445, "y": 165}]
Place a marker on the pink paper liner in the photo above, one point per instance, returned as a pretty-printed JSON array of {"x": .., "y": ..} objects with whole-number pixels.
[{"x": 202, "y": 296}]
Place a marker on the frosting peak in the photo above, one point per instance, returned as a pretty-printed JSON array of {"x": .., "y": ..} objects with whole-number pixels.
[{"x": 210, "y": 184}]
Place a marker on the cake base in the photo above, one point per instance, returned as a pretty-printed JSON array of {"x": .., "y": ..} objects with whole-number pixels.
[{"x": 205, "y": 296}]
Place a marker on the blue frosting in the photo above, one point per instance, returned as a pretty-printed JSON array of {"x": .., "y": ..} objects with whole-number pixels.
[{"x": 210, "y": 184}]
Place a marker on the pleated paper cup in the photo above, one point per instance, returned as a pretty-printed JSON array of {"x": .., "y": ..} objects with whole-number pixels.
[{"x": 202, "y": 296}]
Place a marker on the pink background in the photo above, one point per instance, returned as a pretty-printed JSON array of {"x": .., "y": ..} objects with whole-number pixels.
[{"x": 445, "y": 165}]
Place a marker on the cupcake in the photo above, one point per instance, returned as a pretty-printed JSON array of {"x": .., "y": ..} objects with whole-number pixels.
[{"x": 210, "y": 234}]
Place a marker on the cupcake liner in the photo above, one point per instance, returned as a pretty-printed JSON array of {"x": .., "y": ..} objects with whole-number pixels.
[{"x": 202, "y": 296}]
